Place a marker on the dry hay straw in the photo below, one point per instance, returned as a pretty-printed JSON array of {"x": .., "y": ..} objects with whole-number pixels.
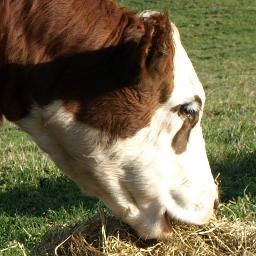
[{"x": 105, "y": 235}]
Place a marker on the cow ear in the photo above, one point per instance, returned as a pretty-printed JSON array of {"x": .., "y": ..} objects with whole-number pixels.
[{"x": 157, "y": 46}]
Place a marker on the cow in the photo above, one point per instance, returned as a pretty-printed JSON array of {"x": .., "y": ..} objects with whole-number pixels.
[{"x": 112, "y": 97}]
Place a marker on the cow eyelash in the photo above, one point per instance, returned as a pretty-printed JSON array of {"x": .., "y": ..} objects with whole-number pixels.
[{"x": 187, "y": 111}]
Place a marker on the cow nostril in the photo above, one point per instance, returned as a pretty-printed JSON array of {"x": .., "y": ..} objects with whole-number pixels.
[{"x": 216, "y": 204}]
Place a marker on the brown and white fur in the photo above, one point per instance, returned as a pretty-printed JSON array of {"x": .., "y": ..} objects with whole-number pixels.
[{"x": 114, "y": 100}]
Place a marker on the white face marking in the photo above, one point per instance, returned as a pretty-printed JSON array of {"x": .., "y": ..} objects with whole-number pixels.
[{"x": 139, "y": 178}]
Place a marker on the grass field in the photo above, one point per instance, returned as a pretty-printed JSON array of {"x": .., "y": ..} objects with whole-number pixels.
[{"x": 220, "y": 38}]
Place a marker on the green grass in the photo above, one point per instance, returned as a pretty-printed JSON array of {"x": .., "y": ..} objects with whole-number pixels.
[
  {"x": 220, "y": 37},
  {"x": 34, "y": 196}
]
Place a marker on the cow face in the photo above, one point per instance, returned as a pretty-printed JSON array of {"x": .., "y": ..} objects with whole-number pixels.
[
  {"x": 164, "y": 168},
  {"x": 153, "y": 170}
]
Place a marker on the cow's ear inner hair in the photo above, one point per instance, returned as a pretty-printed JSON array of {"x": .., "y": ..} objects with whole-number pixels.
[{"x": 160, "y": 43}]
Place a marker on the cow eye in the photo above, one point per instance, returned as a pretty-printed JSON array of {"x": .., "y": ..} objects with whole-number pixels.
[{"x": 187, "y": 111}]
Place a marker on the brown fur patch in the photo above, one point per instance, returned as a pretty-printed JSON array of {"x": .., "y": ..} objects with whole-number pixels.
[
  {"x": 111, "y": 68},
  {"x": 123, "y": 111},
  {"x": 180, "y": 140}
]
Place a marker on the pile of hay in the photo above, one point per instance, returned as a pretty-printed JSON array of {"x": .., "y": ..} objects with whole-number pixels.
[{"x": 106, "y": 235}]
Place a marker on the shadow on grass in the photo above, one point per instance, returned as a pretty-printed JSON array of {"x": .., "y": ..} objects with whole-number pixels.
[
  {"x": 237, "y": 175},
  {"x": 51, "y": 194}
]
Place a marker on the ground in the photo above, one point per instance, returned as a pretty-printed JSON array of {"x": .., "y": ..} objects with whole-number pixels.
[{"x": 220, "y": 37}]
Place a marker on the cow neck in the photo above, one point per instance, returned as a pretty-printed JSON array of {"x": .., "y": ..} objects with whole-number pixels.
[{"x": 40, "y": 46}]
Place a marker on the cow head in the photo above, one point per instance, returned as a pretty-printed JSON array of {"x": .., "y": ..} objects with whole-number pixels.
[
  {"x": 138, "y": 148},
  {"x": 164, "y": 170}
]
